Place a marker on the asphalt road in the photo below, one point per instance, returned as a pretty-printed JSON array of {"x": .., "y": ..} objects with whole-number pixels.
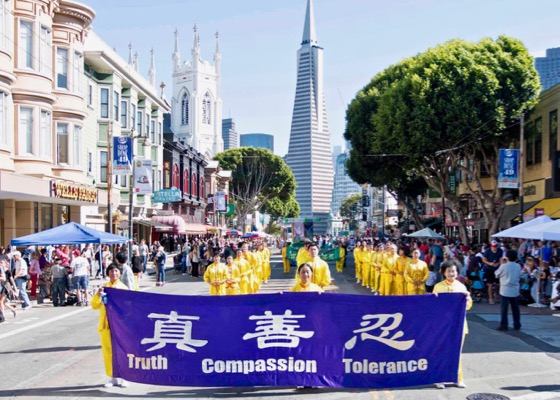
[{"x": 54, "y": 353}]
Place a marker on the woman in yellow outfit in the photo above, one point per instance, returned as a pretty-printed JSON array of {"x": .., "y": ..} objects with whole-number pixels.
[
  {"x": 303, "y": 255},
  {"x": 114, "y": 274},
  {"x": 245, "y": 273},
  {"x": 388, "y": 271},
  {"x": 216, "y": 275},
  {"x": 358, "y": 252},
  {"x": 452, "y": 285},
  {"x": 366, "y": 264},
  {"x": 266, "y": 252},
  {"x": 416, "y": 274},
  {"x": 305, "y": 273},
  {"x": 400, "y": 266},
  {"x": 265, "y": 265},
  {"x": 253, "y": 264},
  {"x": 341, "y": 257},
  {"x": 233, "y": 277},
  {"x": 377, "y": 262},
  {"x": 285, "y": 259}
]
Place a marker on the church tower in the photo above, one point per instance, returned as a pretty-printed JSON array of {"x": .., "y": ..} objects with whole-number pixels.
[
  {"x": 196, "y": 117},
  {"x": 309, "y": 153}
]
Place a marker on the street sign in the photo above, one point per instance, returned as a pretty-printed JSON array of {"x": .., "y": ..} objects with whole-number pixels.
[{"x": 167, "y": 196}]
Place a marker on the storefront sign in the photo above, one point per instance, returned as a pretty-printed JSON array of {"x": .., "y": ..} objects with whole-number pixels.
[
  {"x": 64, "y": 190},
  {"x": 143, "y": 176},
  {"x": 509, "y": 165},
  {"x": 539, "y": 212},
  {"x": 122, "y": 155},
  {"x": 167, "y": 196}
]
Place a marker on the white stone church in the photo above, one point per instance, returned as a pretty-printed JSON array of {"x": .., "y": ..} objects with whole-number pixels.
[{"x": 197, "y": 103}]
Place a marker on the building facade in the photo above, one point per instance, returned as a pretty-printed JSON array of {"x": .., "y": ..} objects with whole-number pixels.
[
  {"x": 43, "y": 116},
  {"x": 548, "y": 68},
  {"x": 229, "y": 134},
  {"x": 197, "y": 104},
  {"x": 258, "y": 141},
  {"x": 309, "y": 152},
  {"x": 344, "y": 186}
]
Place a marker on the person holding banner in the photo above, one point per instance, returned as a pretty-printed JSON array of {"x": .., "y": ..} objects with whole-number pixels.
[
  {"x": 416, "y": 274},
  {"x": 216, "y": 275},
  {"x": 98, "y": 303},
  {"x": 305, "y": 273},
  {"x": 451, "y": 285}
]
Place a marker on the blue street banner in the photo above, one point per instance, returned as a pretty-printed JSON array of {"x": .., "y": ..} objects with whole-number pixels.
[
  {"x": 508, "y": 175},
  {"x": 288, "y": 339},
  {"x": 167, "y": 196},
  {"x": 122, "y": 155}
]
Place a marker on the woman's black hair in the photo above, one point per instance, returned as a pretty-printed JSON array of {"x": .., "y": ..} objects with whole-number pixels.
[
  {"x": 445, "y": 265},
  {"x": 305, "y": 265},
  {"x": 113, "y": 266}
]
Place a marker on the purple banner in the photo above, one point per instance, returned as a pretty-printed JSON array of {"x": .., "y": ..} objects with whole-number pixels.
[{"x": 289, "y": 339}]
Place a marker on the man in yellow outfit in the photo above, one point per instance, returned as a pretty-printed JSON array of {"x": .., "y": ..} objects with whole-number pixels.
[
  {"x": 358, "y": 253},
  {"x": 341, "y": 257},
  {"x": 285, "y": 259},
  {"x": 114, "y": 274},
  {"x": 388, "y": 271},
  {"x": 366, "y": 264},
  {"x": 303, "y": 253},
  {"x": 266, "y": 251},
  {"x": 400, "y": 267},
  {"x": 376, "y": 261},
  {"x": 321, "y": 273},
  {"x": 253, "y": 264},
  {"x": 416, "y": 274}
]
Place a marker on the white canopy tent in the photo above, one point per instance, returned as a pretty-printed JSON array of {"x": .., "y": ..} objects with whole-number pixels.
[{"x": 524, "y": 230}]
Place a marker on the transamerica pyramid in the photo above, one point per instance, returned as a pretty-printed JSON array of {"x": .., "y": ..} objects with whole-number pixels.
[{"x": 309, "y": 153}]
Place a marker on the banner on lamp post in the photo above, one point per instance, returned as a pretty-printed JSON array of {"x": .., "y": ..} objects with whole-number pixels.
[
  {"x": 122, "y": 155},
  {"x": 143, "y": 176},
  {"x": 508, "y": 176},
  {"x": 220, "y": 201}
]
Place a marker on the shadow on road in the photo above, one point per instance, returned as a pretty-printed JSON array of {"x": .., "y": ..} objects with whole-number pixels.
[
  {"x": 53, "y": 350},
  {"x": 536, "y": 388}
]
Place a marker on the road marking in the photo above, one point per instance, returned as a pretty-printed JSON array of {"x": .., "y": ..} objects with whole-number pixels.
[{"x": 48, "y": 321}]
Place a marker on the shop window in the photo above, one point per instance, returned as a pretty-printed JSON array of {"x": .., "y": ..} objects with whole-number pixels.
[{"x": 46, "y": 216}]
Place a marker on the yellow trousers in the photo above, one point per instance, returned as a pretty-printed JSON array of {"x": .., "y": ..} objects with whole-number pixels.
[
  {"x": 412, "y": 289},
  {"x": 339, "y": 265},
  {"x": 366, "y": 269},
  {"x": 359, "y": 270},
  {"x": 386, "y": 284},
  {"x": 106, "y": 350},
  {"x": 398, "y": 286},
  {"x": 376, "y": 279},
  {"x": 286, "y": 266}
]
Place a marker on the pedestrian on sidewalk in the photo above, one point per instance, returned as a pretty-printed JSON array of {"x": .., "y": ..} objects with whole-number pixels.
[
  {"x": 59, "y": 274},
  {"x": 159, "y": 262},
  {"x": 509, "y": 275},
  {"x": 21, "y": 277},
  {"x": 6, "y": 289}
]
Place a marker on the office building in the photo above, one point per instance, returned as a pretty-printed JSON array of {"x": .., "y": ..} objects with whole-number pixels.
[
  {"x": 229, "y": 134},
  {"x": 257, "y": 140}
]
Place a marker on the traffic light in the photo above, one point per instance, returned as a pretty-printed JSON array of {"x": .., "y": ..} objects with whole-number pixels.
[
  {"x": 364, "y": 215},
  {"x": 365, "y": 201}
]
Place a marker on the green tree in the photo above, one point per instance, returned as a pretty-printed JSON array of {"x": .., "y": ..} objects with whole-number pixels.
[
  {"x": 258, "y": 176},
  {"x": 281, "y": 209},
  {"x": 351, "y": 208},
  {"x": 442, "y": 112}
]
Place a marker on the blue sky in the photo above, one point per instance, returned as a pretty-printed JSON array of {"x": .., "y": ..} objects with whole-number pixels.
[{"x": 259, "y": 40}]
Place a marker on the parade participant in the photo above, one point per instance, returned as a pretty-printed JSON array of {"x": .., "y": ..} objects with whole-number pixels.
[
  {"x": 321, "y": 273},
  {"x": 97, "y": 303},
  {"x": 267, "y": 268},
  {"x": 159, "y": 262},
  {"x": 341, "y": 257},
  {"x": 305, "y": 284},
  {"x": 386, "y": 284},
  {"x": 452, "y": 285},
  {"x": 358, "y": 252},
  {"x": 303, "y": 253},
  {"x": 252, "y": 261},
  {"x": 377, "y": 261},
  {"x": 265, "y": 264},
  {"x": 285, "y": 258},
  {"x": 416, "y": 274},
  {"x": 215, "y": 275},
  {"x": 366, "y": 264},
  {"x": 245, "y": 282},
  {"x": 400, "y": 267},
  {"x": 233, "y": 277},
  {"x": 258, "y": 272}
]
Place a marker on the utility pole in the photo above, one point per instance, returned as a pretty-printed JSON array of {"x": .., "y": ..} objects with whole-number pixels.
[
  {"x": 109, "y": 176},
  {"x": 520, "y": 166}
]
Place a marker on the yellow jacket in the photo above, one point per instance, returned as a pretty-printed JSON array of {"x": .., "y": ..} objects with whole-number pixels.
[
  {"x": 416, "y": 272},
  {"x": 234, "y": 276},
  {"x": 310, "y": 287},
  {"x": 216, "y": 273},
  {"x": 303, "y": 256},
  {"x": 97, "y": 304},
  {"x": 321, "y": 273},
  {"x": 454, "y": 287}
]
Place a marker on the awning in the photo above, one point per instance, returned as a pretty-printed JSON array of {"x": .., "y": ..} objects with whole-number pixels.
[
  {"x": 195, "y": 229},
  {"x": 551, "y": 207},
  {"x": 174, "y": 221},
  {"x": 158, "y": 227},
  {"x": 511, "y": 212}
]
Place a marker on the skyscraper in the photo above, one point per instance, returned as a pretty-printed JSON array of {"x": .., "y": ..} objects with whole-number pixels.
[
  {"x": 257, "y": 140},
  {"x": 549, "y": 68},
  {"x": 229, "y": 134},
  {"x": 309, "y": 152}
]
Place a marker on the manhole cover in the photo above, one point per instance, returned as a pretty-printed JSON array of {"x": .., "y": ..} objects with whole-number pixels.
[{"x": 487, "y": 396}]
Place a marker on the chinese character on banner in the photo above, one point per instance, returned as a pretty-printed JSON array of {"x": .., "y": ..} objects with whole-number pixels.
[
  {"x": 143, "y": 176},
  {"x": 174, "y": 329},
  {"x": 277, "y": 330},
  {"x": 383, "y": 326},
  {"x": 122, "y": 155}
]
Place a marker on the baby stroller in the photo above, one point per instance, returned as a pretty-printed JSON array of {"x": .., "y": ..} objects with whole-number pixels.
[
  {"x": 478, "y": 291},
  {"x": 177, "y": 268}
]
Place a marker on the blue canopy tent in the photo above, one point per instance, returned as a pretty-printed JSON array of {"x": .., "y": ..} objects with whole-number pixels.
[{"x": 70, "y": 233}]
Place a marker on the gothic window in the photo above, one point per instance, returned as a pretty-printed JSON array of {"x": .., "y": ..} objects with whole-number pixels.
[
  {"x": 206, "y": 109},
  {"x": 185, "y": 109},
  {"x": 194, "y": 191},
  {"x": 186, "y": 180},
  {"x": 175, "y": 176},
  {"x": 201, "y": 188}
]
